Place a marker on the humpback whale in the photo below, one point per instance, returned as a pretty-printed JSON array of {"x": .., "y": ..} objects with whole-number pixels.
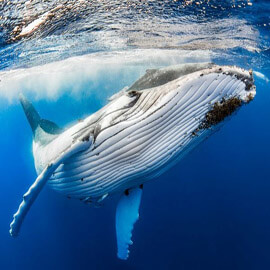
[{"x": 143, "y": 131}]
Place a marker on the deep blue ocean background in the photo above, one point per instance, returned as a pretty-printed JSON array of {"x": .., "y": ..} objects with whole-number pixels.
[{"x": 211, "y": 211}]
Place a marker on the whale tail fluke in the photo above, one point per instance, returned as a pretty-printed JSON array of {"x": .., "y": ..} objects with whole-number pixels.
[
  {"x": 30, "y": 112},
  {"x": 36, "y": 122}
]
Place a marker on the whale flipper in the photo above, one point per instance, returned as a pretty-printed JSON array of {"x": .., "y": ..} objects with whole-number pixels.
[
  {"x": 30, "y": 196},
  {"x": 127, "y": 213}
]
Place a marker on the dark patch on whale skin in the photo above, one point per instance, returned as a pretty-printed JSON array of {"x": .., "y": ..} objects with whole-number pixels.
[
  {"x": 250, "y": 97},
  {"x": 96, "y": 131},
  {"x": 86, "y": 138},
  {"x": 133, "y": 93},
  {"x": 220, "y": 111},
  {"x": 136, "y": 95}
]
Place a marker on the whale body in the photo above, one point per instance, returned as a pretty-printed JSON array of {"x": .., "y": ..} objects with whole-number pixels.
[{"x": 143, "y": 131}]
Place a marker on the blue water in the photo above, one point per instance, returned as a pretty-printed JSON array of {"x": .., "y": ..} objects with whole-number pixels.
[{"x": 211, "y": 211}]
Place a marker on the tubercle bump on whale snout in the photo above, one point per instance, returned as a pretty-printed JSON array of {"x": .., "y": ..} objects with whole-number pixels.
[
  {"x": 245, "y": 76},
  {"x": 242, "y": 75}
]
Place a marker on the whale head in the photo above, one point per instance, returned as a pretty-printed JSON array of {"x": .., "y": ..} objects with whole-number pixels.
[{"x": 227, "y": 87}]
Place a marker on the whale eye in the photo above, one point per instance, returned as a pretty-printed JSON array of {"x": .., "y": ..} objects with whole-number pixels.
[{"x": 133, "y": 93}]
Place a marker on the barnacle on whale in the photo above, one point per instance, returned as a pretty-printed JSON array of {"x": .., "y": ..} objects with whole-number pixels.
[{"x": 220, "y": 110}]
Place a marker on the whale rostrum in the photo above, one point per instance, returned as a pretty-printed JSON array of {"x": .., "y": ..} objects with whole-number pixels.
[{"x": 143, "y": 131}]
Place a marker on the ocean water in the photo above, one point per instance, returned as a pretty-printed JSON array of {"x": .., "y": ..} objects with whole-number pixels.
[{"x": 211, "y": 210}]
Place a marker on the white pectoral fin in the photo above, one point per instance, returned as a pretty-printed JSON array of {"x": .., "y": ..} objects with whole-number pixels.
[
  {"x": 28, "y": 199},
  {"x": 32, "y": 193},
  {"x": 127, "y": 213}
]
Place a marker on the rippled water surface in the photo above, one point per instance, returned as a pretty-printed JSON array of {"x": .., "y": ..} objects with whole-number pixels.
[
  {"x": 37, "y": 32},
  {"x": 212, "y": 211}
]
